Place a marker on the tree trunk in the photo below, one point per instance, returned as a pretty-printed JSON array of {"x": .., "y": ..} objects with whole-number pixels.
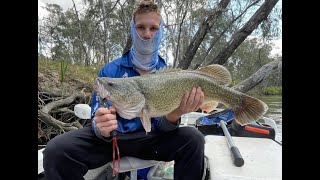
[
  {"x": 206, "y": 25},
  {"x": 258, "y": 76},
  {"x": 80, "y": 35},
  {"x": 129, "y": 40},
  {"x": 105, "y": 32},
  {"x": 215, "y": 40},
  {"x": 261, "y": 14},
  {"x": 176, "y": 57},
  {"x": 105, "y": 16},
  {"x": 128, "y": 44}
]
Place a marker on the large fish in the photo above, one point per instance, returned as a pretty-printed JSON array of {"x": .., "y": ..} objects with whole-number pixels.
[{"x": 158, "y": 94}]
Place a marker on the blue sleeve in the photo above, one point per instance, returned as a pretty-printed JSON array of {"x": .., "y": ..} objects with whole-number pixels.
[{"x": 95, "y": 104}]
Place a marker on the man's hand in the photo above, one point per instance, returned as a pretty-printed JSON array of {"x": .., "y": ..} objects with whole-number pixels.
[
  {"x": 190, "y": 102},
  {"x": 106, "y": 120}
]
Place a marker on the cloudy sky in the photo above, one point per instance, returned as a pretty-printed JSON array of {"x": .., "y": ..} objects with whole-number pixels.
[{"x": 65, "y": 4}]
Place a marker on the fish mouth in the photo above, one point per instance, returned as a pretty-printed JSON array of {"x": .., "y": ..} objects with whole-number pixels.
[{"x": 101, "y": 91}]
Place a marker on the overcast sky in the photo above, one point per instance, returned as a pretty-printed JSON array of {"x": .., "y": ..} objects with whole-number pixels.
[{"x": 65, "y": 4}]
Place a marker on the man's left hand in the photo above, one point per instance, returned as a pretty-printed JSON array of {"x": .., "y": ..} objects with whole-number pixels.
[{"x": 190, "y": 102}]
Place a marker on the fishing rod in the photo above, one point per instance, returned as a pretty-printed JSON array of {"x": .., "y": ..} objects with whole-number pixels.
[
  {"x": 237, "y": 158},
  {"x": 115, "y": 147}
]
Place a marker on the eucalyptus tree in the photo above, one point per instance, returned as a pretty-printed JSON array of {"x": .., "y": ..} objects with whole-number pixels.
[
  {"x": 239, "y": 36},
  {"x": 51, "y": 32}
]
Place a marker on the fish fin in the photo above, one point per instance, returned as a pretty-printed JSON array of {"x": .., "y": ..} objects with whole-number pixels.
[
  {"x": 129, "y": 112},
  {"x": 167, "y": 70},
  {"x": 218, "y": 72},
  {"x": 145, "y": 120},
  {"x": 209, "y": 106},
  {"x": 250, "y": 110}
]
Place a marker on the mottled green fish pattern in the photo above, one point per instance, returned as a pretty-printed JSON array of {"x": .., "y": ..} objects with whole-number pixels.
[{"x": 158, "y": 94}]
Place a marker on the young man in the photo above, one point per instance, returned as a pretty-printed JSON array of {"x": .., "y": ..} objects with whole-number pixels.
[{"x": 70, "y": 155}]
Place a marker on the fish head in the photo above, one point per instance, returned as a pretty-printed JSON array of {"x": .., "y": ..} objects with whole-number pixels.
[{"x": 120, "y": 91}]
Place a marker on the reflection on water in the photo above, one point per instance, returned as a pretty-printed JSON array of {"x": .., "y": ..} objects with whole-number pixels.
[{"x": 275, "y": 109}]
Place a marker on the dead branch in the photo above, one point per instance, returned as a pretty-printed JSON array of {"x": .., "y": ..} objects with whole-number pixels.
[
  {"x": 54, "y": 122},
  {"x": 258, "y": 76},
  {"x": 47, "y": 108},
  {"x": 56, "y": 116}
]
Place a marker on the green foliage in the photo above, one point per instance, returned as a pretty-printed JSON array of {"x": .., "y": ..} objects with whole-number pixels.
[
  {"x": 273, "y": 90},
  {"x": 63, "y": 69},
  {"x": 75, "y": 71},
  {"x": 234, "y": 82},
  {"x": 250, "y": 56}
]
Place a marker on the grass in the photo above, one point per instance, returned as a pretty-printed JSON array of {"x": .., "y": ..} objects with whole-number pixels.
[
  {"x": 272, "y": 90},
  {"x": 74, "y": 71}
]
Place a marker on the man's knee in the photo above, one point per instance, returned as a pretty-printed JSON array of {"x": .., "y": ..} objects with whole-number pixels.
[
  {"x": 55, "y": 148},
  {"x": 194, "y": 135}
]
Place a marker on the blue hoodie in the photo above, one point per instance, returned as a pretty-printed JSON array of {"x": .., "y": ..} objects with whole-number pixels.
[{"x": 123, "y": 67}]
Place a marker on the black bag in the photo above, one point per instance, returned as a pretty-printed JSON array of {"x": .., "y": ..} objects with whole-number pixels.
[
  {"x": 254, "y": 129},
  {"x": 210, "y": 125}
]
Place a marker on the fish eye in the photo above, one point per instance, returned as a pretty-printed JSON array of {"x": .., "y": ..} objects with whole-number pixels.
[{"x": 110, "y": 83}]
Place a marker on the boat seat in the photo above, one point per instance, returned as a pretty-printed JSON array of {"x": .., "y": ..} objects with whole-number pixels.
[{"x": 127, "y": 164}]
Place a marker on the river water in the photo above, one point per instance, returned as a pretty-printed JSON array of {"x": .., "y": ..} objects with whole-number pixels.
[{"x": 275, "y": 109}]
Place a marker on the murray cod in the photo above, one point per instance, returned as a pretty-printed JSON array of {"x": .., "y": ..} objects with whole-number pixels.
[{"x": 158, "y": 94}]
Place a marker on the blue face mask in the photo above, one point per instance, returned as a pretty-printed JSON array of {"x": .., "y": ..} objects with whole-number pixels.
[{"x": 145, "y": 52}]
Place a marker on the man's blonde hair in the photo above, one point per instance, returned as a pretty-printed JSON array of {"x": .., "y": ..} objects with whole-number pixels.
[{"x": 145, "y": 6}]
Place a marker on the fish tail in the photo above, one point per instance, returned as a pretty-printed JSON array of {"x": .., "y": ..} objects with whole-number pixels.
[{"x": 251, "y": 109}]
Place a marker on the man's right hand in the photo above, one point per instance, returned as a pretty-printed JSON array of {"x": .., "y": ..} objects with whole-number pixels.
[{"x": 106, "y": 120}]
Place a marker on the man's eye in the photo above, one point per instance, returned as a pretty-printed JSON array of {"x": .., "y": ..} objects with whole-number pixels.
[{"x": 154, "y": 29}]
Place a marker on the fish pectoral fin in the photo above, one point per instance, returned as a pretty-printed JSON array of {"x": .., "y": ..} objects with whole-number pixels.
[
  {"x": 129, "y": 112},
  {"x": 145, "y": 120},
  {"x": 218, "y": 72},
  {"x": 209, "y": 106}
]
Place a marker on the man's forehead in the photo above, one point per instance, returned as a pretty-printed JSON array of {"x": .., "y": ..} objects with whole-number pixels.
[
  {"x": 147, "y": 19},
  {"x": 146, "y": 22}
]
